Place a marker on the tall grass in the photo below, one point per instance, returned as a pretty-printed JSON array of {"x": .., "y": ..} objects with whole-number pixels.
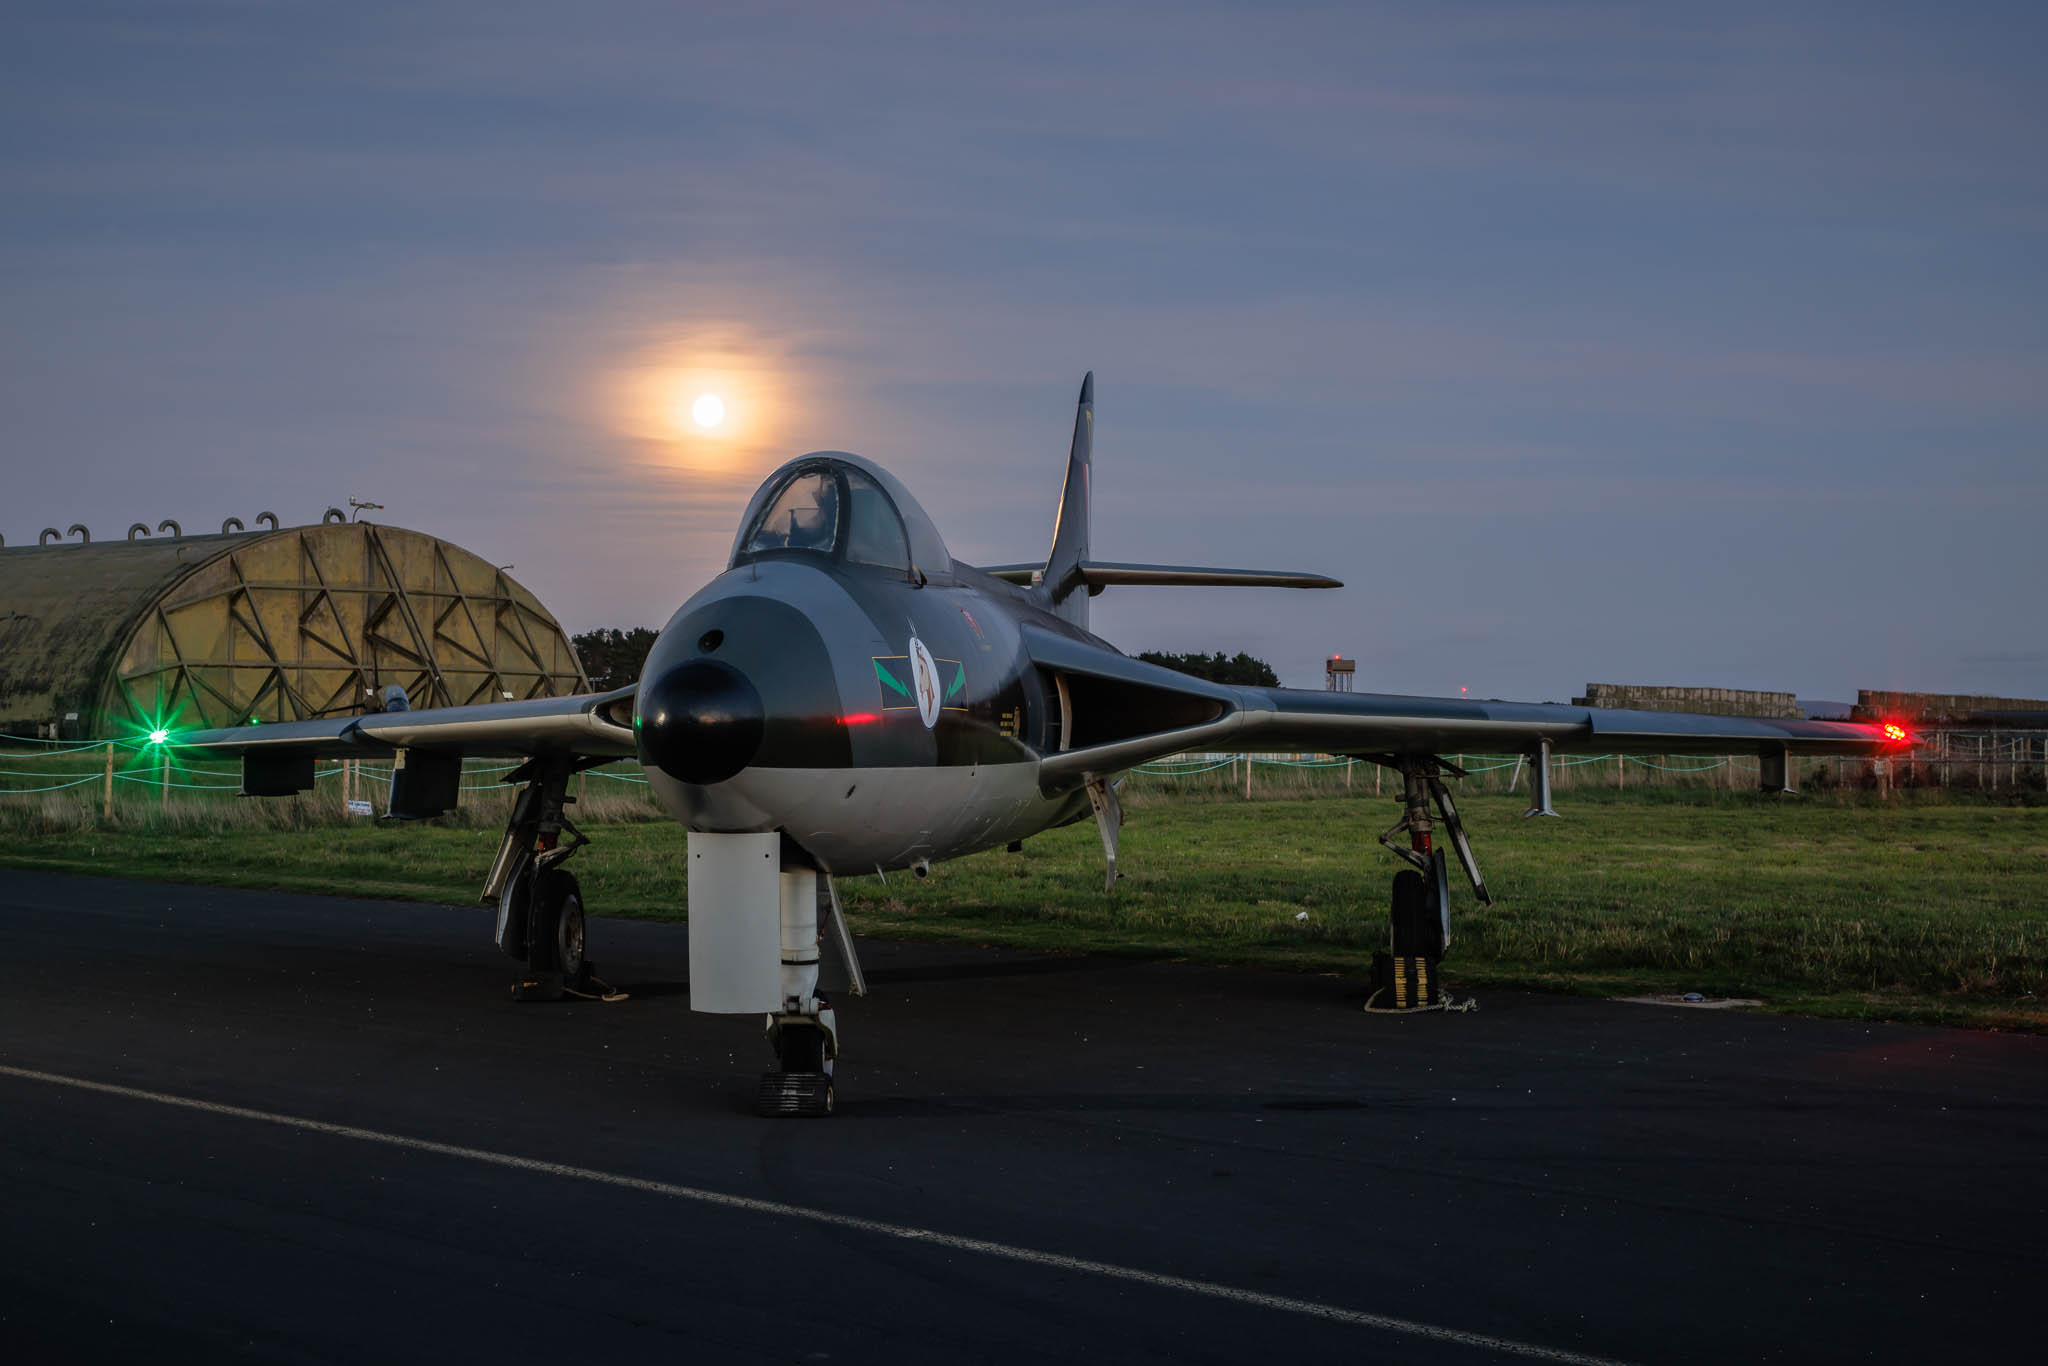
[{"x": 204, "y": 797}]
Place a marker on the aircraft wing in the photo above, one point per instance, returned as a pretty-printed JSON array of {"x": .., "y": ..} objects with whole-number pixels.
[
  {"x": 596, "y": 725},
  {"x": 1125, "y": 712},
  {"x": 1281, "y": 719},
  {"x": 1097, "y": 575}
]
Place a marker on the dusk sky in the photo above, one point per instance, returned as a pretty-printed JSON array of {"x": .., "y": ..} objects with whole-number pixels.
[{"x": 1701, "y": 344}]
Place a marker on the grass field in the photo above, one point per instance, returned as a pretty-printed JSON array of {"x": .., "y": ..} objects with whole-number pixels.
[{"x": 1914, "y": 907}]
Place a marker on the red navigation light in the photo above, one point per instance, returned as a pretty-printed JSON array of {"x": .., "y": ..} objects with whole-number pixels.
[
  {"x": 861, "y": 718},
  {"x": 1896, "y": 734}
]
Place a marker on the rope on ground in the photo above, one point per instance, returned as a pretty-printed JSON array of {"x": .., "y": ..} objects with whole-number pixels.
[
  {"x": 1449, "y": 1003},
  {"x": 605, "y": 992}
]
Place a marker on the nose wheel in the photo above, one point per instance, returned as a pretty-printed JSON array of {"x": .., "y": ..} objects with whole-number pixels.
[{"x": 800, "y": 1087}]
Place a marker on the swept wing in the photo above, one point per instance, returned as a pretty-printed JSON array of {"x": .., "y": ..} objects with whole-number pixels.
[
  {"x": 592, "y": 725},
  {"x": 1161, "y": 712}
]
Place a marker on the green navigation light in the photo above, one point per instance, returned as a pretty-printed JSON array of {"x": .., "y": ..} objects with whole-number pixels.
[{"x": 158, "y": 736}]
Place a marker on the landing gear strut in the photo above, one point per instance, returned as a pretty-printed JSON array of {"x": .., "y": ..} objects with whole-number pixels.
[
  {"x": 805, "y": 1032},
  {"x": 540, "y": 905},
  {"x": 762, "y": 917},
  {"x": 1407, "y": 978}
]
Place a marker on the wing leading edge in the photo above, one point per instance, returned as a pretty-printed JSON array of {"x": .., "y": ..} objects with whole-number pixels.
[
  {"x": 593, "y": 725},
  {"x": 1375, "y": 723},
  {"x": 1096, "y": 575}
]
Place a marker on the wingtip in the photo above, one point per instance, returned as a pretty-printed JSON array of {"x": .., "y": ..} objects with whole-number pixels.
[{"x": 1088, "y": 387}]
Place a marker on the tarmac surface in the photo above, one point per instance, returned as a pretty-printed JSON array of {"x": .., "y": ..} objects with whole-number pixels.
[{"x": 302, "y": 1128}]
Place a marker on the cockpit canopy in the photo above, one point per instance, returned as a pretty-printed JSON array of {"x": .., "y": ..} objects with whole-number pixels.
[{"x": 842, "y": 507}]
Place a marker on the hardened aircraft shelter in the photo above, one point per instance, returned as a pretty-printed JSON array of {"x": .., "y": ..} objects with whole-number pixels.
[{"x": 101, "y": 638}]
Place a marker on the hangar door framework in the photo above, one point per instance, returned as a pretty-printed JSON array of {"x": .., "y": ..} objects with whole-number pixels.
[
  {"x": 289, "y": 624},
  {"x": 316, "y": 621}
]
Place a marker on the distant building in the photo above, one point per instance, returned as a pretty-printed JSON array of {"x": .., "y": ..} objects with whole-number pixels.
[
  {"x": 1941, "y": 708},
  {"x": 1709, "y": 701}
]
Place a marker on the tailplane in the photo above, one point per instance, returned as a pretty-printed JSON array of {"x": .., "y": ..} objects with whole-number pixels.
[{"x": 1069, "y": 578}]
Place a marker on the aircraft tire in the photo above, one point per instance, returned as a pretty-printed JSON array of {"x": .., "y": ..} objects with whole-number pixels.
[
  {"x": 1418, "y": 930},
  {"x": 794, "y": 1095},
  {"x": 558, "y": 922}
]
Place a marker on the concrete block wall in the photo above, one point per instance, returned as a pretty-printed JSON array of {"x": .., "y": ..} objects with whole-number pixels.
[{"x": 1706, "y": 701}]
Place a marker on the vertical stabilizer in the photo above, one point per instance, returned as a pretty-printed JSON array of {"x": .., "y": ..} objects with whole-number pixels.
[{"x": 1062, "y": 584}]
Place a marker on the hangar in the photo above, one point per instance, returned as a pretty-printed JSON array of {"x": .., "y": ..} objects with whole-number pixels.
[{"x": 277, "y": 624}]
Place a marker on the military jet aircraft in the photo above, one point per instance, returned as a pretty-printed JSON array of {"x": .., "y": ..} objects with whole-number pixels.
[{"x": 848, "y": 698}]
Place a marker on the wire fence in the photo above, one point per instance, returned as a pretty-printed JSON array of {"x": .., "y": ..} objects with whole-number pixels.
[
  {"x": 118, "y": 774},
  {"x": 1985, "y": 761}
]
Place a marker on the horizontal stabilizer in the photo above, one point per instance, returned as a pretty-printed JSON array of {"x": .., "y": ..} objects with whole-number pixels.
[{"x": 1098, "y": 575}]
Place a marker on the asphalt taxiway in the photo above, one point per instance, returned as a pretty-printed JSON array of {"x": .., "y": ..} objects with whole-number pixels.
[{"x": 303, "y": 1128}]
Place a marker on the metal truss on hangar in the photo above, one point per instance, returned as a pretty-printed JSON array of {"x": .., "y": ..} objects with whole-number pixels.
[{"x": 282, "y": 624}]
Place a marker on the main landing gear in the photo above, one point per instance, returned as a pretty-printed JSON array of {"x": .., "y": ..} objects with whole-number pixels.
[
  {"x": 540, "y": 906},
  {"x": 1407, "y": 978}
]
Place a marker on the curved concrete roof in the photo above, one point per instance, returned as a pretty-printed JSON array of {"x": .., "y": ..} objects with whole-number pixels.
[
  {"x": 66, "y": 610},
  {"x": 284, "y": 624}
]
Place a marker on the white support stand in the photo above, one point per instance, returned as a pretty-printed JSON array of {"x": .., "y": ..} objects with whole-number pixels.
[
  {"x": 736, "y": 901},
  {"x": 1777, "y": 773},
  {"x": 1539, "y": 781}
]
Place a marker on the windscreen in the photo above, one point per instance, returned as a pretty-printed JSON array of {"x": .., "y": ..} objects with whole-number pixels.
[
  {"x": 803, "y": 516},
  {"x": 874, "y": 533}
]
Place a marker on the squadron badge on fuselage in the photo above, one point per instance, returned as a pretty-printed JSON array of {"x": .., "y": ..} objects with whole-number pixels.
[
  {"x": 920, "y": 680},
  {"x": 925, "y": 683}
]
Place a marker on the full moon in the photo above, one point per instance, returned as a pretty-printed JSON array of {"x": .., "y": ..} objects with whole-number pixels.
[{"x": 708, "y": 410}]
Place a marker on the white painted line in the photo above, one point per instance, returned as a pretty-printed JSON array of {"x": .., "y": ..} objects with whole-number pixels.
[{"x": 877, "y": 1228}]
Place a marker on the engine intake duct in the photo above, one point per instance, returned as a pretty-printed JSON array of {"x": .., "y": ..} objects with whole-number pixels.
[{"x": 1100, "y": 710}]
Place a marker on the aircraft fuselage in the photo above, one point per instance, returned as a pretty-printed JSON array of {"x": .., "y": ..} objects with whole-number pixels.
[{"x": 877, "y": 721}]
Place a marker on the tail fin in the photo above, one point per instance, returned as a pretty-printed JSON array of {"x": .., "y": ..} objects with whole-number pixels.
[
  {"x": 1070, "y": 578},
  {"x": 1062, "y": 585}
]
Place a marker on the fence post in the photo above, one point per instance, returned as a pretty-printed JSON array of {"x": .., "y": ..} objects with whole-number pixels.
[
  {"x": 1348, "y": 763},
  {"x": 110, "y": 780},
  {"x": 1247, "y": 777},
  {"x": 1620, "y": 772},
  {"x": 163, "y": 778}
]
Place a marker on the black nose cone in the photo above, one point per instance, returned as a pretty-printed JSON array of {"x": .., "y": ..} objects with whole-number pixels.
[{"x": 700, "y": 722}]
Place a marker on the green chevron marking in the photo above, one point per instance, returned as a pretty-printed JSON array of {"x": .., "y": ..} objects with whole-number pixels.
[
  {"x": 889, "y": 680},
  {"x": 959, "y": 680}
]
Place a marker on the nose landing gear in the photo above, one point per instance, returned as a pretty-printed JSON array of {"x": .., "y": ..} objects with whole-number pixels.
[{"x": 805, "y": 1032}]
